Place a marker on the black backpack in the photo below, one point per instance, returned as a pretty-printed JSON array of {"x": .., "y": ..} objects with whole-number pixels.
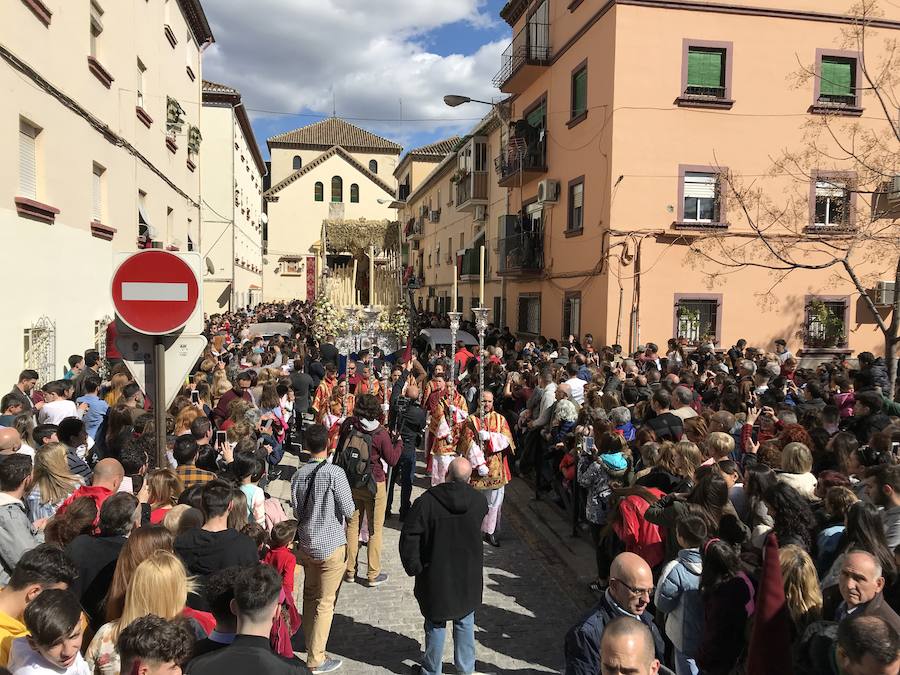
[{"x": 355, "y": 458}]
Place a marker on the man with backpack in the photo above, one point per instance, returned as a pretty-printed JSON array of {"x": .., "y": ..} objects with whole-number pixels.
[{"x": 364, "y": 450}]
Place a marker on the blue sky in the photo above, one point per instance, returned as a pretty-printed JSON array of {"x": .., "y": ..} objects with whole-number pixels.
[{"x": 289, "y": 56}]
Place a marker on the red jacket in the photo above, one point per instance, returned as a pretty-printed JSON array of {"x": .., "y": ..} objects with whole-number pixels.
[
  {"x": 639, "y": 535},
  {"x": 283, "y": 560},
  {"x": 96, "y": 492}
]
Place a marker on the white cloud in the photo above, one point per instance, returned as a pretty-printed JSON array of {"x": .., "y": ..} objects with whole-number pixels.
[{"x": 286, "y": 55}]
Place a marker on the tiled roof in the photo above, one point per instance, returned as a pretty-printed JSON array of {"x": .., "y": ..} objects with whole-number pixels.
[
  {"x": 216, "y": 88},
  {"x": 334, "y": 131},
  {"x": 335, "y": 150},
  {"x": 439, "y": 149}
]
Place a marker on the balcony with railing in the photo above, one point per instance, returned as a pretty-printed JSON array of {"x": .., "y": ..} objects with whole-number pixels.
[
  {"x": 522, "y": 253},
  {"x": 415, "y": 229},
  {"x": 525, "y": 58},
  {"x": 472, "y": 190},
  {"x": 469, "y": 269},
  {"x": 523, "y": 159}
]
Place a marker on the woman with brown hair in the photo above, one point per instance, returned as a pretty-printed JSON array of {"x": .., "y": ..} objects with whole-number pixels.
[
  {"x": 165, "y": 488},
  {"x": 185, "y": 418},
  {"x": 141, "y": 543},
  {"x": 78, "y": 518}
]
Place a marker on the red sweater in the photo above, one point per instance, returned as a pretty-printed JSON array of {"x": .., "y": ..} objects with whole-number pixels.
[{"x": 283, "y": 560}]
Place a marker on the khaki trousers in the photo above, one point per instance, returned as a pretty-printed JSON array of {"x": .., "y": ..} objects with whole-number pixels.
[
  {"x": 321, "y": 583},
  {"x": 373, "y": 506}
]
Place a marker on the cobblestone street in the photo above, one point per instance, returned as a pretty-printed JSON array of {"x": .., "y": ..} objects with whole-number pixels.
[{"x": 519, "y": 627}]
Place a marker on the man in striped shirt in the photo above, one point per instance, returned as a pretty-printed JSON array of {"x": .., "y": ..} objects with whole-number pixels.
[{"x": 322, "y": 503}]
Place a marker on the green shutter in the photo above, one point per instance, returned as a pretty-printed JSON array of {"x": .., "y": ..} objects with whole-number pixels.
[
  {"x": 536, "y": 117},
  {"x": 836, "y": 76},
  {"x": 579, "y": 92},
  {"x": 706, "y": 68}
]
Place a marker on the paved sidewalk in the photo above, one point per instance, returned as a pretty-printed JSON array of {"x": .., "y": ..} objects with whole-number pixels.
[{"x": 532, "y": 594}]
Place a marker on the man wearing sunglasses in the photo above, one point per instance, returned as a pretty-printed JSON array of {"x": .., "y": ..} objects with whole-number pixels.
[{"x": 629, "y": 593}]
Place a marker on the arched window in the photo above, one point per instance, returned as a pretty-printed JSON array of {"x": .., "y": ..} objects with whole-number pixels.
[
  {"x": 354, "y": 193},
  {"x": 373, "y": 166},
  {"x": 337, "y": 189},
  {"x": 319, "y": 191},
  {"x": 297, "y": 163}
]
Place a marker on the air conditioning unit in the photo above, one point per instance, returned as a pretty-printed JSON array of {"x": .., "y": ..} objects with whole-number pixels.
[
  {"x": 548, "y": 191},
  {"x": 480, "y": 213},
  {"x": 894, "y": 192},
  {"x": 885, "y": 293}
]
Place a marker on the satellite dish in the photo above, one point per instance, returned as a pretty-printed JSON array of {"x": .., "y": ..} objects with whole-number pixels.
[
  {"x": 264, "y": 218},
  {"x": 209, "y": 265}
]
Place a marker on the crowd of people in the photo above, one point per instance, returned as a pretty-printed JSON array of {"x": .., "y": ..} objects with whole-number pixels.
[{"x": 743, "y": 511}]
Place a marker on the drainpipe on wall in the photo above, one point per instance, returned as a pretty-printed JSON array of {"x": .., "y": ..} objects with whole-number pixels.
[{"x": 233, "y": 216}]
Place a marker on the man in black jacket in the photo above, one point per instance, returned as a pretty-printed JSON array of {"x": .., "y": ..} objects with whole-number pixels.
[
  {"x": 256, "y": 593},
  {"x": 408, "y": 418},
  {"x": 629, "y": 594},
  {"x": 440, "y": 545}
]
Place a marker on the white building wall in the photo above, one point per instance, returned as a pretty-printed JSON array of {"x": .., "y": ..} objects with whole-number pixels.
[{"x": 61, "y": 270}]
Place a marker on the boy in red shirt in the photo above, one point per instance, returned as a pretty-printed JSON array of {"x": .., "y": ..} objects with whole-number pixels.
[{"x": 280, "y": 555}]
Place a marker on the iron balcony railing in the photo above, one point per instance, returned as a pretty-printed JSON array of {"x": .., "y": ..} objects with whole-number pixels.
[
  {"x": 522, "y": 252},
  {"x": 530, "y": 45},
  {"x": 705, "y": 92},
  {"x": 517, "y": 158},
  {"x": 472, "y": 186}
]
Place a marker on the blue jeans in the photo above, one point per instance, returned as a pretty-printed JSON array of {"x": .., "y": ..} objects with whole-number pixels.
[
  {"x": 463, "y": 645},
  {"x": 685, "y": 665}
]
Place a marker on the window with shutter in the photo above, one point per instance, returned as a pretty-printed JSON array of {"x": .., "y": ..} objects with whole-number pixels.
[
  {"x": 579, "y": 93},
  {"x": 337, "y": 189},
  {"x": 576, "y": 206},
  {"x": 141, "y": 69},
  {"x": 837, "y": 80},
  {"x": 701, "y": 197},
  {"x": 706, "y": 72},
  {"x": 319, "y": 192},
  {"x": 97, "y": 194},
  {"x": 27, "y": 160},
  {"x": 96, "y": 27}
]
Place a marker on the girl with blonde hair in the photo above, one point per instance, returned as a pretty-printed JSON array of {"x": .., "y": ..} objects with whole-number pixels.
[
  {"x": 159, "y": 586},
  {"x": 52, "y": 481},
  {"x": 220, "y": 385},
  {"x": 141, "y": 543},
  {"x": 116, "y": 384},
  {"x": 165, "y": 488},
  {"x": 802, "y": 594}
]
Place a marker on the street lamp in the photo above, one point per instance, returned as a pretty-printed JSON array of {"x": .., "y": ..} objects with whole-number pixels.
[{"x": 454, "y": 100}]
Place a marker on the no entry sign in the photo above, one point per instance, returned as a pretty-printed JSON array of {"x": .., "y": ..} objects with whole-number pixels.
[{"x": 155, "y": 292}]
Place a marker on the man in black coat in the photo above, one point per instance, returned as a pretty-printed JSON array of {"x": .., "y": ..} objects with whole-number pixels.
[
  {"x": 408, "y": 418},
  {"x": 441, "y": 546},
  {"x": 302, "y": 384}
]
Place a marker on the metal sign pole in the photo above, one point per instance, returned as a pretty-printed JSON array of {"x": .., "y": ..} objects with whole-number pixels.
[{"x": 159, "y": 402}]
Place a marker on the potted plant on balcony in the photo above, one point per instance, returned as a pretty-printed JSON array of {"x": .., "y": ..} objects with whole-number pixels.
[
  {"x": 823, "y": 329},
  {"x": 458, "y": 176}
]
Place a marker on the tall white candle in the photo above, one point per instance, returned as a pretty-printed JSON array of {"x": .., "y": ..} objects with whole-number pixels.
[
  {"x": 371, "y": 275},
  {"x": 455, "y": 274},
  {"x": 481, "y": 280}
]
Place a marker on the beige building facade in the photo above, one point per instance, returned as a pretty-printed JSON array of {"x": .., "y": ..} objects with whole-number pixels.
[
  {"x": 325, "y": 171},
  {"x": 102, "y": 155},
  {"x": 233, "y": 219},
  {"x": 448, "y": 215},
  {"x": 619, "y": 158}
]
